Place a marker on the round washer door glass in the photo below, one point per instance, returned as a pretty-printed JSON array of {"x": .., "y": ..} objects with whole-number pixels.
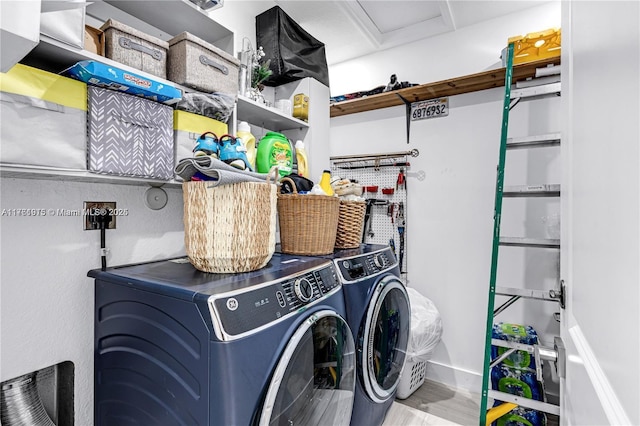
[
  {"x": 314, "y": 381},
  {"x": 385, "y": 337}
]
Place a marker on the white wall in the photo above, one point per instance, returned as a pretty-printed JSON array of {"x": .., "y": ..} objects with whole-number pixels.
[
  {"x": 600, "y": 261},
  {"x": 466, "y": 51},
  {"x": 46, "y": 296},
  {"x": 450, "y": 211}
]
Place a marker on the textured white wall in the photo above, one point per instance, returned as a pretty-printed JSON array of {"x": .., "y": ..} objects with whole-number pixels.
[
  {"x": 450, "y": 211},
  {"x": 46, "y": 296}
]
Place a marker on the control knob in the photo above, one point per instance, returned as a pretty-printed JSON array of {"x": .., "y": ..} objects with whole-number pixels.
[
  {"x": 303, "y": 289},
  {"x": 378, "y": 260}
]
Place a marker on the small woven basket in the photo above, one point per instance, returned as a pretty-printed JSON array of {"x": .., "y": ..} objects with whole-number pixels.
[
  {"x": 350, "y": 224},
  {"x": 229, "y": 228},
  {"x": 308, "y": 223}
]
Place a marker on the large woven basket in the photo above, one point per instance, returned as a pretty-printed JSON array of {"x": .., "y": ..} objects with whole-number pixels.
[
  {"x": 350, "y": 224},
  {"x": 229, "y": 228},
  {"x": 308, "y": 223}
]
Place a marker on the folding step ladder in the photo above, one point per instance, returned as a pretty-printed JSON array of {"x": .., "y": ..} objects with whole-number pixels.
[{"x": 511, "y": 99}]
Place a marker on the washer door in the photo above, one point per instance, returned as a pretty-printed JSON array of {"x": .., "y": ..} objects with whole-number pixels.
[
  {"x": 314, "y": 381},
  {"x": 383, "y": 341}
]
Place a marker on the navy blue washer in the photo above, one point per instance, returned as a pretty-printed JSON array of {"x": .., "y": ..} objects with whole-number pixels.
[{"x": 176, "y": 346}]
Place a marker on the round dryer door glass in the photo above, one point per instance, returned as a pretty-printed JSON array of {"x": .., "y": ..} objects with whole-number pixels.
[
  {"x": 385, "y": 337},
  {"x": 314, "y": 381}
]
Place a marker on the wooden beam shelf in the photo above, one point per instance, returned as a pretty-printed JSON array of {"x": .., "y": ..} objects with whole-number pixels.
[{"x": 454, "y": 86}]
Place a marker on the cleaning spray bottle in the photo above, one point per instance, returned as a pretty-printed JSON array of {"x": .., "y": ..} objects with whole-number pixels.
[
  {"x": 249, "y": 141},
  {"x": 303, "y": 164}
]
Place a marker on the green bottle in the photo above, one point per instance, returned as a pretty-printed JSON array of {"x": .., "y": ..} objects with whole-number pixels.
[{"x": 274, "y": 149}]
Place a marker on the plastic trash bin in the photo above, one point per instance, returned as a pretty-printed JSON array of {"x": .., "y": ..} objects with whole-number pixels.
[{"x": 426, "y": 332}]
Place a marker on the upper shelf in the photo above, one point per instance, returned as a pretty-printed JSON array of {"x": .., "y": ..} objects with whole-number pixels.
[
  {"x": 269, "y": 118},
  {"x": 454, "y": 86}
]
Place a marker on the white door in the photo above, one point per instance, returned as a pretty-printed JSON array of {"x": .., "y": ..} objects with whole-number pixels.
[{"x": 600, "y": 218}]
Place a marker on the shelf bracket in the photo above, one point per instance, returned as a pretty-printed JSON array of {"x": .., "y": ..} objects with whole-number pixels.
[{"x": 407, "y": 106}]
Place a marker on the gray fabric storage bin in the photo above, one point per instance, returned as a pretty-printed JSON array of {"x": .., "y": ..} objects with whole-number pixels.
[
  {"x": 129, "y": 135},
  {"x": 197, "y": 64},
  {"x": 44, "y": 120},
  {"x": 135, "y": 48}
]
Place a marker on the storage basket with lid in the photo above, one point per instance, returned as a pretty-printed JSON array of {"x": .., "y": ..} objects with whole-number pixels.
[
  {"x": 308, "y": 222},
  {"x": 135, "y": 48},
  {"x": 229, "y": 228},
  {"x": 195, "y": 63}
]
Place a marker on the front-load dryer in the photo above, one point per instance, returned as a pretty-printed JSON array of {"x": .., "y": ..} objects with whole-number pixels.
[
  {"x": 378, "y": 312},
  {"x": 177, "y": 346}
]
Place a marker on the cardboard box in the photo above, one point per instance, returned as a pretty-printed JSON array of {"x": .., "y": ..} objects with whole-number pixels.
[
  {"x": 109, "y": 77},
  {"x": 93, "y": 40}
]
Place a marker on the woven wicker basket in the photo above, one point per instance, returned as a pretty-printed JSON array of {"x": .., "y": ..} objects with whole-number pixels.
[
  {"x": 229, "y": 228},
  {"x": 308, "y": 223},
  {"x": 350, "y": 224}
]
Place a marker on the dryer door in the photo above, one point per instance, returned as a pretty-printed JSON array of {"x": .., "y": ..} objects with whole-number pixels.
[
  {"x": 314, "y": 381},
  {"x": 383, "y": 339}
]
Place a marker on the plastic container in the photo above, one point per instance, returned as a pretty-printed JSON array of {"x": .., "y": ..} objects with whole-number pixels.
[
  {"x": 301, "y": 155},
  {"x": 301, "y": 106},
  {"x": 249, "y": 141},
  {"x": 325, "y": 182},
  {"x": 274, "y": 149}
]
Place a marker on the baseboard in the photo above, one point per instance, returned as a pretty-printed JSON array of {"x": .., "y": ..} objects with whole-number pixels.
[
  {"x": 611, "y": 405},
  {"x": 454, "y": 377}
]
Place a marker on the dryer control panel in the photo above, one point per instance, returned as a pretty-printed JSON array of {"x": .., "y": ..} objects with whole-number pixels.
[
  {"x": 356, "y": 268},
  {"x": 237, "y": 314}
]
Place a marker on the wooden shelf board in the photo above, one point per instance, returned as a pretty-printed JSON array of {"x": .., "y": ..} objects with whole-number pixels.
[{"x": 454, "y": 86}]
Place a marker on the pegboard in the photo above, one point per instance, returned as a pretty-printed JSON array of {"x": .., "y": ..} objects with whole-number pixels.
[{"x": 383, "y": 172}]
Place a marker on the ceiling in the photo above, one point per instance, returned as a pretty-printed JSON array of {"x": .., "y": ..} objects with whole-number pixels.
[{"x": 353, "y": 28}]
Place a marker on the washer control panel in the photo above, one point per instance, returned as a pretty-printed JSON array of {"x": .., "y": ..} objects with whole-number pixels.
[
  {"x": 356, "y": 268},
  {"x": 260, "y": 305}
]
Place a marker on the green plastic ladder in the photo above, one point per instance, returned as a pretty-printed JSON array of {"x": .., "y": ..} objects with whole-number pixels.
[{"x": 540, "y": 353}]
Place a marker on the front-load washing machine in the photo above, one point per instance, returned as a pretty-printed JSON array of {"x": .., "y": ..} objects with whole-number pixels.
[
  {"x": 378, "y": 312},
  {"x": 177, "y": 346}
]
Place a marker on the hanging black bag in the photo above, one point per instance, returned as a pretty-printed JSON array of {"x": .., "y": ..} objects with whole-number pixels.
[{"x": 294, "y": 53}]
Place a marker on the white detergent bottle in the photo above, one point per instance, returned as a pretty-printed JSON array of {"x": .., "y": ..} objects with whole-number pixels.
[
  {"x": 301, "y": 154},
  {"x": 249, "y": 141}
]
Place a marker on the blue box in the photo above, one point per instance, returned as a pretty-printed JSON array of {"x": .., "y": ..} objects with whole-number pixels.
[{"x": 109, "y": 77}]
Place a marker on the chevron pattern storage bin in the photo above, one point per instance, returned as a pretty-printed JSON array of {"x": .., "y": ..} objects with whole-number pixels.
[{"x": 129, "y": 135}]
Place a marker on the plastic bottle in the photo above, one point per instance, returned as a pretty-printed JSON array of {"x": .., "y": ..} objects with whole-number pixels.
[
  {"x": 274, "y": 149},
  {"x": 249, "y": 141},
  {"x": 301, "y": 154},
  {"x": 325, "y": 182}
]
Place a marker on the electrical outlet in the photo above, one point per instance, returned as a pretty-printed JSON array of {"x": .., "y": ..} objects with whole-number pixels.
[{"x": 93, "y": 208}]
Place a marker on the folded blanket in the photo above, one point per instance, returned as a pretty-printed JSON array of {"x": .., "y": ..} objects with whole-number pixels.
[{"x": 221, "y": 172}]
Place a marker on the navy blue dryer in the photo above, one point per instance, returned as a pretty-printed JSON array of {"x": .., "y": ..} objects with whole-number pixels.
[
  {"x": 379, "y": 315},
  {"x": 176, "y": 346}
]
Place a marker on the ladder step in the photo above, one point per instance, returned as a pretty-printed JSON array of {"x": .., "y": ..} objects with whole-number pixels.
[
  {"x": 525, "y": 402},
  {"x": 529, "y": 242},
  {"x": 527, "y": 294},
  {"x": 548, "y": 354},
  {"x": 536, "y": 91},
  {"x": 545, "y": 190},
  {"x": 539, "y": 141}
]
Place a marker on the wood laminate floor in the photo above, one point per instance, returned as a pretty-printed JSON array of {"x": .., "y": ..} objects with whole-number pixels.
[{"x": 437, "y": 404}]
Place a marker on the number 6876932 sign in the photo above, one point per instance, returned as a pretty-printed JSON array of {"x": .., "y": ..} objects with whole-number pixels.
[{"x": 430, "y": 109}]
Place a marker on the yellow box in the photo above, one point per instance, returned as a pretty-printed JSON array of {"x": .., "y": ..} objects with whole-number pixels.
[
  {"x": 301, "y": 106},
  {"x": 187, "y": 128},
  {"x": 534, "y": 46}
]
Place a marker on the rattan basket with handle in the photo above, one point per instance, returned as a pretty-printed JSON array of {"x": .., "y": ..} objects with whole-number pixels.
[
  {"x": 350, "y": 224},
  {"x": 229, "y": 228},
  {"x": 308, "y": 223}
]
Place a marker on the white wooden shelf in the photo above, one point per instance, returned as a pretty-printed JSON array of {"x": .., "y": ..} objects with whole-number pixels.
[
  {"x": 270, "y": 118},
  {"x": 27, "y": 172}
]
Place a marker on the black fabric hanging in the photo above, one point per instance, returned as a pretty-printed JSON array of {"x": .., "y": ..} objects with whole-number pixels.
[{"x": 294, "y": 53}]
